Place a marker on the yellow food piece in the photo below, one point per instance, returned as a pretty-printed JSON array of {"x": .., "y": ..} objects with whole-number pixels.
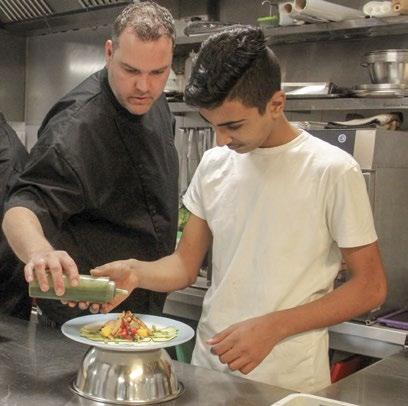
[
  {"x": 106, "y": 331},
  {"x": 142, "y": 332}
]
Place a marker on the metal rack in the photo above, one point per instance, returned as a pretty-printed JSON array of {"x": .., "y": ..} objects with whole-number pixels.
[
  {"x": 339, "y": 104},
  {"x": 349, "y": 29},
  {"x": 343, "y": 104}
]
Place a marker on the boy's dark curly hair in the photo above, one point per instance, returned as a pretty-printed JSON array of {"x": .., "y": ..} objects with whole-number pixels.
[{"x": 234, "y": 64}]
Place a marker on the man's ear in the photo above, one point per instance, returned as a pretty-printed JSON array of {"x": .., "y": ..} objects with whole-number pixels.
[
  {"x": 276, "y": 104},
  {"x": 108, "y": 51}
]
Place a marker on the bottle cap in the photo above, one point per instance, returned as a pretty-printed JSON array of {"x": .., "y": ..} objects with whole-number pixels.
[{"x": 121, "y": 292}]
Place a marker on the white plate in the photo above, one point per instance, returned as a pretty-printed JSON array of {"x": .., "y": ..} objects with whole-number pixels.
[
  {"x": 303, "y": 399},
  {"x": 72, "y": 328}
]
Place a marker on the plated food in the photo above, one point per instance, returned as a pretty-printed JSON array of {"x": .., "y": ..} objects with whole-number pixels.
[{"x": 127, "y": 328}]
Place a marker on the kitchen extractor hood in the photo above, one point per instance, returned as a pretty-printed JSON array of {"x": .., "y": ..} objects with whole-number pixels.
[{"x": 41, "y": 16}]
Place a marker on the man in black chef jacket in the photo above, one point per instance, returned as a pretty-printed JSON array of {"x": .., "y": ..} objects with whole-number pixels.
[
  {"x": 14, "y": 298},
  {"x": 101, "y": 181}
]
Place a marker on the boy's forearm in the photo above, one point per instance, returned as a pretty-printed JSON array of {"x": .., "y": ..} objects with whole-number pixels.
[
  {"x": 166, "y": 274},
  {"x": 344, "y": 303},
  {"x": 180, "y": 269}
]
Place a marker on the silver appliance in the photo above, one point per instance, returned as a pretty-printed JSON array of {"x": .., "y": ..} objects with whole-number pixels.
[{"x": 383, "y": 157}]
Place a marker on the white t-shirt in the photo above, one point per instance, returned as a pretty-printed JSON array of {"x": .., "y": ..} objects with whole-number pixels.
[{"x": 278, "y": 216}]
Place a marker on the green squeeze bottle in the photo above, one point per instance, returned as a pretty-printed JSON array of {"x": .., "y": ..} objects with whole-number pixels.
[{"x": 89, "y": 289}]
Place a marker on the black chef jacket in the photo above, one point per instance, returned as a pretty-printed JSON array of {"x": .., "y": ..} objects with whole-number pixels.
[
  {"x": 103, "y": 183},
  {"x": 14, "y": 298}
]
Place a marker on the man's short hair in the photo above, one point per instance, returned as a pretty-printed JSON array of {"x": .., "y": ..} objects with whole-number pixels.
[
  {"x": 234, "y": 64},
  {"x": 148, "y": 20}
]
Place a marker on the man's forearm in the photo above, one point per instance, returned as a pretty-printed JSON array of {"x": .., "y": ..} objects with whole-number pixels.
[{"x": 24, "y": 233}]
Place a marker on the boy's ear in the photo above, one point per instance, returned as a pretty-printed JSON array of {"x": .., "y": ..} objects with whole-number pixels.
[{"x": 276, "y": 104}]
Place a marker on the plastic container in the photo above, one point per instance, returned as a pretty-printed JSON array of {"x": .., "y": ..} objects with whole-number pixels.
[
  {"x": 272, "y": 20},
  {"x": 302, "y": 399},
  {"x": 397, "y": 319},
  {"x": 341, "y": 369},
  {"x": 268, "y": 21},
  {"x": 89, "y": 289}
]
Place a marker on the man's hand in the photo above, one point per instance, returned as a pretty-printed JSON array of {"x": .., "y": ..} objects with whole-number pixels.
[
  {"x": 25, "y": 236},
  {"x": 54, "y": 262},
  {"x": 243, "y": 346}
]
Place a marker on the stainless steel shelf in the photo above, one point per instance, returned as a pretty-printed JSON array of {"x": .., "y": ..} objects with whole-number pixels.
[
  {"x": 181, "y": 108},
  {"x": 376, "y": 332},
  {"x": 340, "y": 104},
  {"x": 358, "y": 28},
  {"x": 194, "y": 39},
  {"x": 345, "y": 104},
  {"x": 374, "y": 341},
  {"x": 186, "y": 303}
]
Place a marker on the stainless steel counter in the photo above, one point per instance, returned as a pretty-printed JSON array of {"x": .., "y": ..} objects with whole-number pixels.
[
  {"x": 375, "y": 340},
  {"x": 381, "y": 384},
  {"x": 39, "y": 364}
]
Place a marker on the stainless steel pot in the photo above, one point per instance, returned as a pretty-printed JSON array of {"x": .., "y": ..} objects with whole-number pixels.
[{"x": 387, "y": 66}]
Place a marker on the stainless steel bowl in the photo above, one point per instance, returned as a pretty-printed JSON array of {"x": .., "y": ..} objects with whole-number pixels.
[
  {"x": 387, "y": 66},
  {"x": 127, "y": 378}
]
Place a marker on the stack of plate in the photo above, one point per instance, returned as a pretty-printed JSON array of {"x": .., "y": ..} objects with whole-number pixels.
[
  {"x": 311, "y": 90},
  {"x": 381, "y": 90}
]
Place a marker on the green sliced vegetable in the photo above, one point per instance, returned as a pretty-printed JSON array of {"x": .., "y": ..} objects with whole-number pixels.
[
  {"x": 158, "y": 339},
  {"x": 92, "y": 333}
]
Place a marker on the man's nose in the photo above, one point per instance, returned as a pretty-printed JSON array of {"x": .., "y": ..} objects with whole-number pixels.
[
  {"x": 142, "y": 83},
  {"x": 222, "y": 137}
]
